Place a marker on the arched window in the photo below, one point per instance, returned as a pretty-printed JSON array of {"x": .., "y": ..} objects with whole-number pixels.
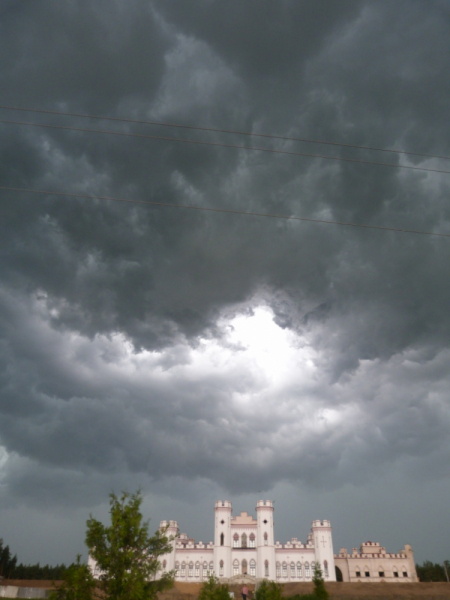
[
  {"x": 313, "y": 566},
  {"x": 299, "y": 569},
  {"x": 191, "y": 569},
  {"x": 265, "y": 539},
  {"x": 366, "y": 571},
  {"x": 244, "y": 540},
  {"x": 235, "y": 567},
  {"x": 292, "y": 569},
  {"x": 177, "y": 569},
  {"x": 205, "y": 569},
  {"x": 244, "y": 567},
  {"x": 183, "y": 569},
  {"x": 164, "y": 565},
  {"x": 251, "y": 540},
  {"x": 221, "y": 539},
  {"x": 278, "y": 569},
  {"x": 357, "y": 571},
  {"x": 211, "y": 568},
  {"x": 307, "y": 572},
  {"x": 266, "y": 568},
  {"x": 325, "y": 568},
  {"x": 197, "y": 569},
  {"x": 253, "y": 568},
  {"x": 221, "y": 568},
  {"x": 284, "y": 569},
  {"x": 235, "y": 541}
]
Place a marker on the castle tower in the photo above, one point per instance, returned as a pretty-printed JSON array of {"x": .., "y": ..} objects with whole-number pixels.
[
  {"x": 171, "y": 531},
  {"x": 222, "y": 538},
  {"x": 265, "y": 548},
  {"x": 323, "y": 544}
]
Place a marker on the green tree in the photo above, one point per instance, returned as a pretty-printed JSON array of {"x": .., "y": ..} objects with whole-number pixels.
[
  {"x": 7, "y": 561},
  {"x": 125, "y": 553},
  {"x": 430, "y": 571},
  {"x": 320, "y": 591},
  {"x": 213, "y": 590},
  {"x": 78, "y": 584},
  {"x": 269, "y": 590}
]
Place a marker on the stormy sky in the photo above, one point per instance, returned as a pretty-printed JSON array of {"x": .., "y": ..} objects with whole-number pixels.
[{"x": 203, "y": 355}]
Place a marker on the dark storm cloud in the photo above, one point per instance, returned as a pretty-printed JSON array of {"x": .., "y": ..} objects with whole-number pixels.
[{"x": 106, "y": 307}]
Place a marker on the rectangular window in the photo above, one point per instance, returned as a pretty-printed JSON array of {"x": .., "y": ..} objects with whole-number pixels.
[
  {"x": 381, "y": 573},
  {"x": 405, "y": 574},
  {"x": 367, "y": 574},
  {"x": 395, "y": 574},
  {"x": 358, "y": 573}
]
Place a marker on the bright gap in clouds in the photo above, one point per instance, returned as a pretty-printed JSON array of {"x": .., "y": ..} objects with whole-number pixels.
[{"x": 277, "y": 353}]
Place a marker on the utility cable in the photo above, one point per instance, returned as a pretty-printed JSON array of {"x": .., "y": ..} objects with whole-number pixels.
[
  {"x": 221, "y": 210},
  {"x": 217, "y": 130},
  {"x": 204, "y": 143}
]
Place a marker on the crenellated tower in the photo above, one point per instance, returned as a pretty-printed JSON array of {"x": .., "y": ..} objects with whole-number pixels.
[
  {"x": 323, "y": 545},
  {"x": 265, "y": 548},
  {"x": 171, "y": 531},
  {"x": 222, "y": 538}
]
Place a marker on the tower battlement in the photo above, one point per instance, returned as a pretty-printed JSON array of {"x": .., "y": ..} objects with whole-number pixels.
[
  {"x": 223, "y": 504},
  {"x": 264, "y": 503}
]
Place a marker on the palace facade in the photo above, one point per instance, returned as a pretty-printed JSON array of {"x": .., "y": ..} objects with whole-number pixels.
[{"x": 244, "y": 549}]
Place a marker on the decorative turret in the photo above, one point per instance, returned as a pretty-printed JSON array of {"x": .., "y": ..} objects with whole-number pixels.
[
  {"x": 170, "y": 529},
  {"x": 323, "y": 545},
  {"x": 222, "y": 539},
  {"x": 264, "y": 540}
]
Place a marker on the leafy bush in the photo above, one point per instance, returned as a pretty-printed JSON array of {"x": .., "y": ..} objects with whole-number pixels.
[
  {"x": 320, "y": 592},
  {"x": 213, "y": 590},
  {"x": 269, "y": 590},
  {"x": 79, "y": 584}
]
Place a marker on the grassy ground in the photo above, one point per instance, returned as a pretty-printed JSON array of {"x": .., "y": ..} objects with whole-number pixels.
[{"x": 338, "y": 591}]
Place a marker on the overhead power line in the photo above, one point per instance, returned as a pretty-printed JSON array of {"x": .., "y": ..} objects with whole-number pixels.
[
  {"x": 220, "y": 210},
  {"x": 217, "y": 130},
  {"x": 219, "y": 144}
]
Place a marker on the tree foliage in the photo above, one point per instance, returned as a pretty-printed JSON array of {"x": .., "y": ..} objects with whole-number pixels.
[
  {"x": 430, "y": 571},
  {"x": 37, "y": 571},
  {"x": 320, "y": 591},
  {"x": 78, "y": 584},
  {"x": 269, "y": 590},
  {"x": 213, "y": 590},
  {"x": 7, "y": 561},
  {"x": 125, "y": 553}
]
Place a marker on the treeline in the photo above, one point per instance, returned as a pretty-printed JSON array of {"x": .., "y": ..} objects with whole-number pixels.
[
  {"x": 430, "y": 571},
  {"x": 7, "y": 561},
  {"x": 9, "y": 569},
  {"x": 37, "y": 572}
]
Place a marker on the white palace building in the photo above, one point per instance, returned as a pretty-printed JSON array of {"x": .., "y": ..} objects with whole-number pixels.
[{"x": 244, "y": 549}]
